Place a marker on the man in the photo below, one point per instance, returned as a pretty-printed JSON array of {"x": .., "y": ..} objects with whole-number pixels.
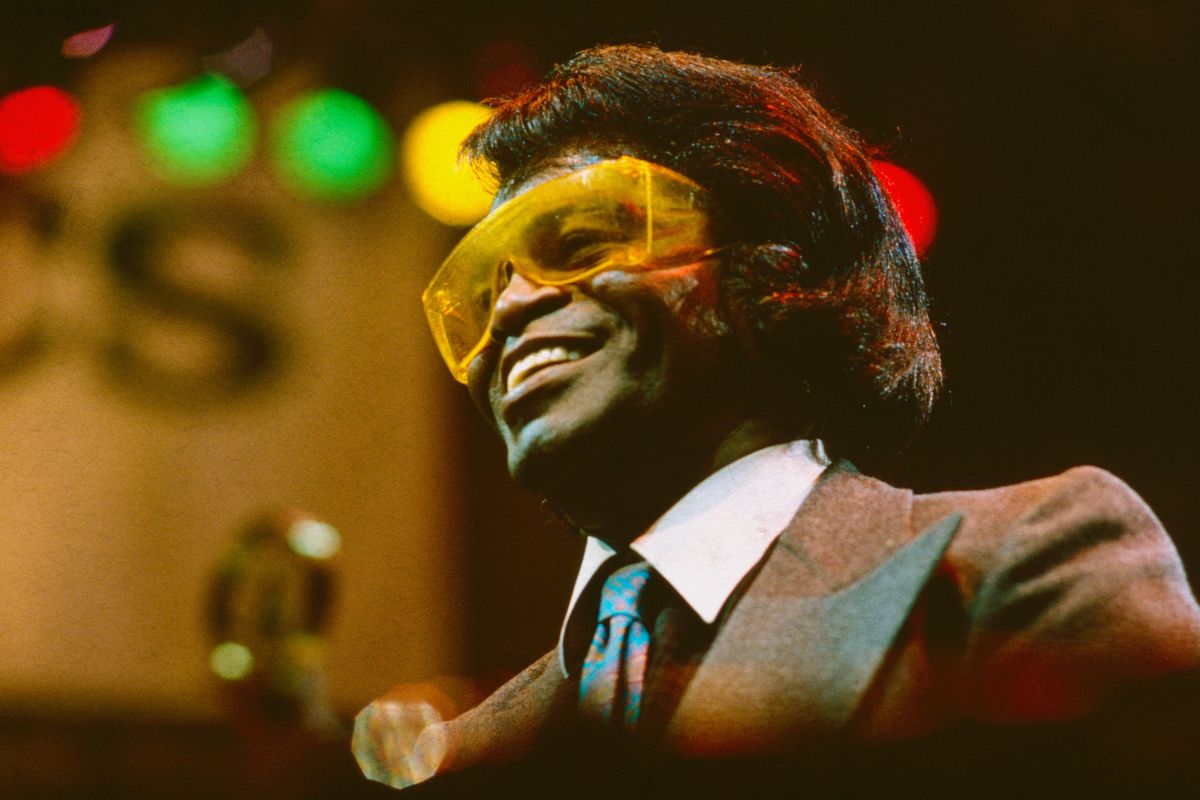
[{"x": 691, "y": 294}]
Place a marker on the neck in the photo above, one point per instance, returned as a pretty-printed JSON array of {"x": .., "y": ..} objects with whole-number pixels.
[{"x": 621, "y": 500}]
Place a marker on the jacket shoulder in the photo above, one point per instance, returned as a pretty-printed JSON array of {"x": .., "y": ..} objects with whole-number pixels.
[
  {"x": 1083, "y": 510},
  {"x": 1085, "y": 485},
  {"x": 1066, "y": 581}
]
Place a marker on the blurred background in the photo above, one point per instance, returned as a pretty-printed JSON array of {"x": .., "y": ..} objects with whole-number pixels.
[{"x": 239, "y": 494}]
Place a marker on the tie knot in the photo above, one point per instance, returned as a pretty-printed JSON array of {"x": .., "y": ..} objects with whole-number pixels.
[{"x": 622, "y": 592}]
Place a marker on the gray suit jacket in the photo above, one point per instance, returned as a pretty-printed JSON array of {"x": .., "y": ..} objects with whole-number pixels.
[{"x": 884, "y": 616}]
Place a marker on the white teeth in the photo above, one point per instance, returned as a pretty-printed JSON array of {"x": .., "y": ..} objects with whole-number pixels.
[{"x": 538, "y": 358}]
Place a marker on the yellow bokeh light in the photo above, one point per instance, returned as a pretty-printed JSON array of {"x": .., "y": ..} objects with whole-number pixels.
[
  {"x": 231, "y": 661},
  {"x": 446, "y": 189}
]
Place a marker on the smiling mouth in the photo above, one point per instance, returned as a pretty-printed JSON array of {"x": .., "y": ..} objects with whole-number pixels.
[{"x": 540, "y": 359}]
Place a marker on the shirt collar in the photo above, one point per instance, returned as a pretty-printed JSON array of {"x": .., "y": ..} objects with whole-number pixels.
[{"x": 707, "y": 542}]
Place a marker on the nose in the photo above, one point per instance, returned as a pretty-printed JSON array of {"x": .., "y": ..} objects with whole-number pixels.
[{"x": 523, "y": 301}]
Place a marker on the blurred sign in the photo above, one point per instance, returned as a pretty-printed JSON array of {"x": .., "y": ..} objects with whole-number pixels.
[{"x": 187, "y": 321}]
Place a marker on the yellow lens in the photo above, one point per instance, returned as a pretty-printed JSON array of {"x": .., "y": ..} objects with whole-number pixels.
[{"x": 618, "y": 214}]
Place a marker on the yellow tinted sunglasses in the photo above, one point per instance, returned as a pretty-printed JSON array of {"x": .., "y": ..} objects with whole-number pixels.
[{"x": 620, "y": 214}]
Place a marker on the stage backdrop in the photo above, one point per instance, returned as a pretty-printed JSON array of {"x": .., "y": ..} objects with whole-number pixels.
[{"x": 179, "y": 359}]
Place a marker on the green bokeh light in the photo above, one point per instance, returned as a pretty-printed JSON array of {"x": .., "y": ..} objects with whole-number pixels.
[
  {"x": 333, "y": 145},
  {"x": 198, "y": 132},
  {"x": 231, "y": 661}
]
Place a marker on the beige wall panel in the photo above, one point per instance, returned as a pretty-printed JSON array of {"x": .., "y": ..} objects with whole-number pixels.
[{"x": 115, "y": 508}]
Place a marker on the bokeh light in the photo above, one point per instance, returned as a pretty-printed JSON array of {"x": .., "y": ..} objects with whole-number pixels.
[
  {"x": 231, "y": 661},
  {"x": 503, "y": 68},
  {"x": 87, "y": 43},
  {"x": 246, "y": 62},
  {"x": 199, "y": 132},
  {"x": 441, "y": 185},
  {"x": 36, "y": 126},
  {"x": 332, "y": 145},
  {"x": 399, "y": 741},
  {"x": 313, "y": 539},
  {"x": 913, "y": 201}
]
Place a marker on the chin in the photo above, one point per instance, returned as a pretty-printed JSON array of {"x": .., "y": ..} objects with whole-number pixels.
[
  {"x": 547, "y": 454},
  {"x": 540, "y": 458}
]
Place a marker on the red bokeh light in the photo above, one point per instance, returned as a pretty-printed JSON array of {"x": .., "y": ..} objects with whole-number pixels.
[
  {"x": 913, "y": 202},
  {"x": 36, "y": 125},
  {"x": 500, "y": 69}
]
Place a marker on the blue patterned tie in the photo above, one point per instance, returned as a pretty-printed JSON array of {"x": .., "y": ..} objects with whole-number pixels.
[{"x": 610, "y": 683}]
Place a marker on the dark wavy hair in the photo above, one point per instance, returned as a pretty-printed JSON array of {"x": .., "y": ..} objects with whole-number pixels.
[{"x": 820, "y": 274}]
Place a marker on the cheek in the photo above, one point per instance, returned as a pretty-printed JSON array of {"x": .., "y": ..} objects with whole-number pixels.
[{"x": 682, "y": 300}]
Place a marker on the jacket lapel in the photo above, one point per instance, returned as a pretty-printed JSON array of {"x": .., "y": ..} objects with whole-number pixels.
[
  {"x": 512, "y": 721},
  {"x": 793, "y": 656}
]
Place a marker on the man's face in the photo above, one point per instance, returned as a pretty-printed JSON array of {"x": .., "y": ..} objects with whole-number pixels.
[{"x": 616, "y": 370}]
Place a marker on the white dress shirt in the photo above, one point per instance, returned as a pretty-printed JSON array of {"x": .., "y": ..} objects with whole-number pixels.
[{"x": 706, "y": 543}]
